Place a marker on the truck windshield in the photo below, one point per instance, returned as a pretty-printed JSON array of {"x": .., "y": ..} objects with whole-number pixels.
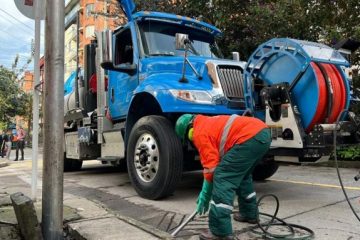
[{"x": 158, "y": 39}]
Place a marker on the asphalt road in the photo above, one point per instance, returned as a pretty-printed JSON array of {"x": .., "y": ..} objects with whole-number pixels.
[{"x": 309, "y": 196}]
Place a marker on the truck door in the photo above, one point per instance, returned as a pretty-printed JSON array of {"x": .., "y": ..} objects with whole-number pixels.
[{"x": 122, "y": 83}]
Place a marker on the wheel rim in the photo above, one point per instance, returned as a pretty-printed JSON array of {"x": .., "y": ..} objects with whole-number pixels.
[{"x": 146, "y": 158}]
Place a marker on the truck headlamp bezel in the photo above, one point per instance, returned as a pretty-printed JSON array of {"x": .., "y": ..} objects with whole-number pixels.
[{"x": 194, "y": 96}]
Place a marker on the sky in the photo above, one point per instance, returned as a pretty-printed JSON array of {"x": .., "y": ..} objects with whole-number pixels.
[{"x": 16, "y": 33}]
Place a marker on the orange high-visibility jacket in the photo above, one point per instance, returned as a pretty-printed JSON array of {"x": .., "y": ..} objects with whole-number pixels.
[{"x": 209, "y": 132}]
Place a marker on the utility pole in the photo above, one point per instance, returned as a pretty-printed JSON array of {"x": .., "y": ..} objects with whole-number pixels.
[
  {"x": 35, "y": 130},
  {"x": 53, "y": 165},
  {"x": 77, "y": 99}
]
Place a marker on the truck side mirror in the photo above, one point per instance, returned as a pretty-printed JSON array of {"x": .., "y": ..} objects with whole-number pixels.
[
  {"x": 181, "y": 41},
  {"x": 124, "y": 67},
  {"x": 107, "y": 46}
]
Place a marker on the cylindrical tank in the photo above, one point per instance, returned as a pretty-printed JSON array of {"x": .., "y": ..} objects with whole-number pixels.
[{"x": 69, "y": 100}]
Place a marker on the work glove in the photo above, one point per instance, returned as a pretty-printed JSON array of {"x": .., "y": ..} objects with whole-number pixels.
[{"x": 204, "y": 198}]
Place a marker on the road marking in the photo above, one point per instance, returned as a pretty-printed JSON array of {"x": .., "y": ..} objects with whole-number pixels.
[{"x": 315, "y": 184}]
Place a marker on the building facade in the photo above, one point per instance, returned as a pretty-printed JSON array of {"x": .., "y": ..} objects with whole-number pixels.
[
  {"x": 70, "y": 50},
  {"x": 94, "y": 15},
  {"x": 27, "y": 84}
]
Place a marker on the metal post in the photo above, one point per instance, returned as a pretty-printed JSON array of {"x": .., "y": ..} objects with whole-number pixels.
[
  {"x": 102, "y": 43},
  {"x": 53, "y": 166},
  {"x": 35, "y": 130},
  {"x": 77, "y": 98}
]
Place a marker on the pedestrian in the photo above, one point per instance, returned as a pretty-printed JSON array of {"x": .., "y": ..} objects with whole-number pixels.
[
  {"x": 20, "y": 135},
  {"x": 8, "y": 143},
  {"x": 2, "y": 144},
  {"x": 229, "y": 149}
]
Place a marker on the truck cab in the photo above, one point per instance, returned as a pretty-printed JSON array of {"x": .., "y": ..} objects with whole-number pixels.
[{"x": 148, "y": 68}]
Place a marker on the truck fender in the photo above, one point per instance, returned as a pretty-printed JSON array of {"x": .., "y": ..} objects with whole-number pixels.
[{"x": 142, "y": 104}]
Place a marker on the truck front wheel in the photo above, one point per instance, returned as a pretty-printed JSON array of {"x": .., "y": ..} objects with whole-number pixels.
[{"x": 154, "y": 157}]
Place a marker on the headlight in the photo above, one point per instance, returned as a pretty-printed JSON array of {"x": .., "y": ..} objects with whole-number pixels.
[{"x": 196, "y": 96}]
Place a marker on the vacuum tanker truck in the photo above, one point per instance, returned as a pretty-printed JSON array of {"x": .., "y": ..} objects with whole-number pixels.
[{"x": 138, "y": 79}]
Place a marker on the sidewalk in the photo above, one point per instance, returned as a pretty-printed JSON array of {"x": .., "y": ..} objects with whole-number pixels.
[
  {"x": 83, "y": 219},
  {"x": 97, "y": 222},
  {"x": 27, "y": 156}
]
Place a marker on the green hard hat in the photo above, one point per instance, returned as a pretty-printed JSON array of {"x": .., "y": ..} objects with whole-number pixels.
[{"x": 182, "y": 125}]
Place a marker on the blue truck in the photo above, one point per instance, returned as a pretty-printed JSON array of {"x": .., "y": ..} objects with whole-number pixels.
[{"x": 139, "y": 78}]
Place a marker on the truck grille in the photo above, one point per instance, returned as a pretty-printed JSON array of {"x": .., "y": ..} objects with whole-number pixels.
[{"x": 231, "y": 81}]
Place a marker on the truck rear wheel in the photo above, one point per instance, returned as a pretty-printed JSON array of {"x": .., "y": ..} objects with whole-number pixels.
[
  {"x": 265, "y": 169},
  {"x": 154, "y": 157},
  {"x": 71, "y": 165}
]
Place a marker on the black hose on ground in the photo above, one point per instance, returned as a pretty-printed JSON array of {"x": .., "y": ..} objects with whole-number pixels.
[
  {"x": 275, "y": 221},
  {"x": 264, "y": 227},
  {"x": 337, "y": 166}
]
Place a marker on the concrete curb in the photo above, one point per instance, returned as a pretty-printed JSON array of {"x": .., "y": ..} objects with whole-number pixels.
[
  {"x": 74, "y": 232},
  {"x": 331, "y": 163},
  {"x": 145, "y": 227},
  {"x": 136, "y": 223}
]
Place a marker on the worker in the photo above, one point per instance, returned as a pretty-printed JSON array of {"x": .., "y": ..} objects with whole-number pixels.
[{"x": 229, "y": 149}]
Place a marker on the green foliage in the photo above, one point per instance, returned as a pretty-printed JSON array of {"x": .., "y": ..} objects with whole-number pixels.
[
  {"x": 13, "y": 101},
  {"x": 247, "y": 23},
  {"x": 349, "y": 153}
]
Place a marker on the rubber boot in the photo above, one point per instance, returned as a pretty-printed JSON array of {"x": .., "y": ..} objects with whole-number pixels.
[
  {"x": 207, "y": 235},
  {"x": 237, "y": 217}
]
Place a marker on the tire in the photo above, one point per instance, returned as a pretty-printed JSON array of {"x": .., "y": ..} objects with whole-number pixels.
[
  {"x": 154, "y": 157},
  {"x": 71, "y": 165},
  {"x": 265, "y": 169}
]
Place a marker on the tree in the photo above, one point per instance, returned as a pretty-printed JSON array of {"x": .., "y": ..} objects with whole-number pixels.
[
  {"x": 25, "y": 108},
  {"x": 13, "y": 101},
  {"x": 248, "y": 23}
]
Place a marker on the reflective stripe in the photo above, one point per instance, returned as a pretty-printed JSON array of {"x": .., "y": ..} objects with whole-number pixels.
[
  {"x": 225, "y": 134},
  {"x": 251, "y": 195},
  {"x": 209, "y": 170},
  {"x": 221, "y": 205}
]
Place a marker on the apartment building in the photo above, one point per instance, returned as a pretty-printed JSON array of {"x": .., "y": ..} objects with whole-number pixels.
[
  {"x": 27, "y": 84},
  {"x": 94, "y": 15}
]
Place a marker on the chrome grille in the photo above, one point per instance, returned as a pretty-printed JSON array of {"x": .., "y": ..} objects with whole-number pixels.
[{"x": 231, "y": 81}]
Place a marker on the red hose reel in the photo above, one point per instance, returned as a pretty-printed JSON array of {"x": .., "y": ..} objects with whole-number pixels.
[{"x": 332, "y": 94}]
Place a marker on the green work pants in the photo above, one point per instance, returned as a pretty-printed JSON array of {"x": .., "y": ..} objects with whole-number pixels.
[{"x": 234, "y": 175}]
